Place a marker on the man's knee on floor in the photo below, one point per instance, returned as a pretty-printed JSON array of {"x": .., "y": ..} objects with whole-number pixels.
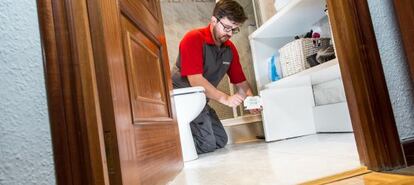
[
  {"x": 222, "y": 141},
  {"x": 206, "y": 148}
]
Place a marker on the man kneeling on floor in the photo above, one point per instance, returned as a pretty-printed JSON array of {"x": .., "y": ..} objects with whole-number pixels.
[{"x": 205, "y": 56}]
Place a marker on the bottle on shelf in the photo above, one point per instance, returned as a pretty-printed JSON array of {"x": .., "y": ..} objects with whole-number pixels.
[{"x": 273, "y": 75}]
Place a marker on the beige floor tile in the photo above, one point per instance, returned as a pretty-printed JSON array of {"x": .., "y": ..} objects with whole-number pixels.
[{"x": 289, "y": 161}]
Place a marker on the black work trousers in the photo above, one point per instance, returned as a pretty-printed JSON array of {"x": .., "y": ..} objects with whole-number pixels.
[{"x": 208, "y": 131}]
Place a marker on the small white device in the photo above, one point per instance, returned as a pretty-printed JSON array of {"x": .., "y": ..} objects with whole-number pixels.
[{"x": 252, "y": 102}]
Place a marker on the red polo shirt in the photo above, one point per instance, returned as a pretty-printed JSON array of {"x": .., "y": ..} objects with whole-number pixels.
[{"x": 193, "y": 52}]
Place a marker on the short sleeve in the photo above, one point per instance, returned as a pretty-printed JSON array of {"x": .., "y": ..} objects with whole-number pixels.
[
  {"x": 235, "y": 71},
  {"x": 191, "y": 53}
]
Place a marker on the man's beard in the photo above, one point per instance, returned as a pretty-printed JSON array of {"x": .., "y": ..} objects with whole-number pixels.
[{"x": 219, "y": 38}]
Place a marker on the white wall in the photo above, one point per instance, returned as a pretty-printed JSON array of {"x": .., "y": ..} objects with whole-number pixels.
[
  {"x": 25, "y": 141},
  {"x": 180, "y": 17},
  {"x": 394, "y": 64}
]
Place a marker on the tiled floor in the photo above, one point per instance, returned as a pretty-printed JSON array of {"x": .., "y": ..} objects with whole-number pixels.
[{"x": 276, "y": 163}]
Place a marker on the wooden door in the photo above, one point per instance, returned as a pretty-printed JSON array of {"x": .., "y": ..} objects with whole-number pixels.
[
  {"x": 140, "y": 132},
  {"x": 405, "y": 14},
  {"x": 108, "y": 84}
]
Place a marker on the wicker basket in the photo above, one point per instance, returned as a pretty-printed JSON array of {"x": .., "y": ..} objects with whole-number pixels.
[{"x": 293, "y": 55}]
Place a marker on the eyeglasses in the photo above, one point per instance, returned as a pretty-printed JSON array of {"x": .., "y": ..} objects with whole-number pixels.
[{"x": 228, "y": 29}]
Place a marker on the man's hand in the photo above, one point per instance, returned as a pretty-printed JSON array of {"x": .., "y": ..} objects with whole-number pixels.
[
  {"x": 255, "y": 111},
  {"x": 233, "y": 100}
]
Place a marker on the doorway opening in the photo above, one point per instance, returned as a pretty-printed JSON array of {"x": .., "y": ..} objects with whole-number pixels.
[{"x": 305, "y": 126}]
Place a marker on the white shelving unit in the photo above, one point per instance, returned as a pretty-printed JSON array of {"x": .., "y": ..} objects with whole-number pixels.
[
  {"x": 296, "y": 18},
  {"x": 288, "y": 104},
  {"x": 318, "y": 74}
]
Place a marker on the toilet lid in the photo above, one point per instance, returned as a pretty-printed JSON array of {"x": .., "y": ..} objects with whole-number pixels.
[{"x": 187, "y": 90}]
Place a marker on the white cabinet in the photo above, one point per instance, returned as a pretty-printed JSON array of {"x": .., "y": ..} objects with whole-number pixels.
[
  {"x": 332, "y": 118},
  {"x": 288, "y": 104},
  {"x": 287, "y": 110}
]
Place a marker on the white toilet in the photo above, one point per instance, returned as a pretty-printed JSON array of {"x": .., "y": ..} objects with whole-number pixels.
[{"x": 189, "y": 102}]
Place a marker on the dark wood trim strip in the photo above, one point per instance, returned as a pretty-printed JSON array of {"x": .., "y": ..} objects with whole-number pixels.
[
  {"x": 404, "y": 9},
  {"x": 365, "y": 87},
  {"x": 62, "y": 158},
  {"x": 88, "y": 99}
]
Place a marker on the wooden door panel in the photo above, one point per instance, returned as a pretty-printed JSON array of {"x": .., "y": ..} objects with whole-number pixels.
[
  {"x": 150, "y": 147},
  {"x": 156, "y": 141},
  {"x": 141, "y": 132},
  {"x": 144, "y": 13},
  {"x": 147, "y": 86},
  {"x": 152, "y": 7}
]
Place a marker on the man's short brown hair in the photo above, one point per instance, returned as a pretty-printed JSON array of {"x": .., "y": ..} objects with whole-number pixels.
[{"x": 230, "y": 9}]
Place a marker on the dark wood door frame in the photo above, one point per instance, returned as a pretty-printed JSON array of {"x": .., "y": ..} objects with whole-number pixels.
[
  {"x": 405, "y": 14},
  {"x": 404, "y": 10},
  {"x": 376, "y": 135},
  {"x": 74, "y": 106},
  {"x": 74, "y": 112}
]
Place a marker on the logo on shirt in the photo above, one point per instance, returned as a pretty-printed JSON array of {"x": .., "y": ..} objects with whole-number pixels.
[{"x": 226, "y": 63}]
